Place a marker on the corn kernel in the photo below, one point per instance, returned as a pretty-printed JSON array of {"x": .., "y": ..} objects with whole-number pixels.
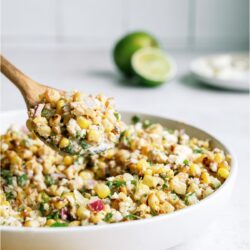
[
  {"x": 52, "y": 95},
  {"x": 178, "y": 185},
  {"x": 60, "y": 204},
  {"x": 83, "y": 213},
  {"x": 223, "y": 172},
  {"x": 102, "y": 190},
  {"x": 64, "y": 143},
  {"x": 74, "y": 223},
  {"x": 83, "y": 122},
  {"x": 150, "y": 181},
  {"x": 107, "y": 125},
  {"x": 93, "y": 135},
  {"x": 195, "y": 170},
  {"x": 141, "y": 190},
  {"x": 153, "y": 202},
  {"x": 60, "y": 105},
  {"x": 133, "y": 144},
  {"x": 77, "y": 97},
  {"x": 95, "y": 218},
  {"x": 86, "y": 175},
  {"x": 44, "y": 131},
  {"x": 68, "y": 160},
  {"x": 5, "y": 203},
  {"x": 142, "y": 165},
  {"x": 205, "y": 178},
  {"x": 50, "y": 222},
  {"x": 148, "y": 172},
  {"x": 218, "y": 157},
  {"x": 31, "y": 223},
  {"x": 223, "y": 164}
]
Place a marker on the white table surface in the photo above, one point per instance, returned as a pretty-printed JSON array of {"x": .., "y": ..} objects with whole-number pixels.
[{"x": 223, "y": 113}]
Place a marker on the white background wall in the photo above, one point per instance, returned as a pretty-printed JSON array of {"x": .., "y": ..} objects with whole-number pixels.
[{"x": 180, "y": 24}]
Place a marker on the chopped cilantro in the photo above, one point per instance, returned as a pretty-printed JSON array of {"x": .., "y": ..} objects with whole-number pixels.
[
  {"x": 41, "y": 209},
  {"x": 146, "y": 124},
  {"x": 83, "y": 144},
  {"x": 21, "y": 180},
  {"x": 134, "y": 182},
  {"x": 135, "y": 119},
  {"x": 165, "y": 186},
  {"x": 45, "y": 197},
  {"x": 117, "y": 116},
  {"x": 54, "y": 215},
  {"x": 70, "y": 149},
  {"x": 47, "y": 112},
  {"x": 198, "y": 151},
  {"x": 116, "y": 183},
  {"x": 154, "y": 213},
  {"x": 122, "y": 135},
  {"x": 131, "y": 217},
  {"x": 9, "y": 196},
  {"x": 48, "y": 180},
  {"x": 186, "y": 162},
  {"x": 7, "y": 175},
  {"x": 186, "y": 198},
  {"x": 59, "y": 224},
  {"x": 108, "y": 217}
]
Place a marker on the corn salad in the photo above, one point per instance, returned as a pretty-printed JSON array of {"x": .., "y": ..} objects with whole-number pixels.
[
  {"x": 76, "y": 123},
  {"x": 151, "y": 171}
]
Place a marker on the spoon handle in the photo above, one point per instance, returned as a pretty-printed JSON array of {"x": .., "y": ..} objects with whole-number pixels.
[{"x": 28, "y": 87}]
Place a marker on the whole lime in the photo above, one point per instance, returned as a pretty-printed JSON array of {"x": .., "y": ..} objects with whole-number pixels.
[{"x": 128, "y": 45}]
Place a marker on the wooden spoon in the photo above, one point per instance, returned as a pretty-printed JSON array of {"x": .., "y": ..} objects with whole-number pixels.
[{"x": 29, "y": 88}]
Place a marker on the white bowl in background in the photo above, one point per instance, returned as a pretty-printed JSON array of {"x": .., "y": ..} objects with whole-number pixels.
[
  {"x": 226, "y": 77},
  {"x": 157, "y": 233}
]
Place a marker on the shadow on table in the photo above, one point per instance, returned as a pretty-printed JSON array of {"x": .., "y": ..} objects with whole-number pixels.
[
  {"x": 114, "y": 77},
  {"x": 189, "y": 80}
]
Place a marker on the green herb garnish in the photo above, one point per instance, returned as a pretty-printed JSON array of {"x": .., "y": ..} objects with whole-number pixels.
[
  {"x": 48, "y": 180},
  {"x": 108, "y": 217},
  {"x": 198, "y": 151},
  {"x": 186, "y": 198},
  {"x": 7, "y": 175},
  {"x": 9, "y": 196},
  {"x": 41, "y": 208},
  {"x": 135, "y": 119},
  {"x": 131, "y": 217},
  {"x": 165, "y": 186},
  {"x": 146, "y": 124},
  {"x": 154, "y": 213},
  {"x": 54, "y": 216},
  {"x": 59, "y": 224},
  {"x": 116, "y": 184},
  {"x": 21, "y": 180},
  {"x": 83, "y": 144},
  {"x": 48, "y": 113},
  {"x": 186, "y": 162},
  {"x": 70, "y": 149},
  {"x": 117, "y": 116},
  {"x": 45, "y": 197},
  {"x": 134, "y": 182}
]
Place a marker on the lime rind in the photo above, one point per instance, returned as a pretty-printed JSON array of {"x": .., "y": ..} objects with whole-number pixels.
[{"x": 153, "y": 66}]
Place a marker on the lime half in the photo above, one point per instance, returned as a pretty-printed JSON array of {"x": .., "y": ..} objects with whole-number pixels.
[{"x": 152, "y": 66}]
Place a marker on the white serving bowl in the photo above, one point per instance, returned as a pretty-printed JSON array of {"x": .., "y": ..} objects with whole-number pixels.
[{"x": 160, "y": 232}]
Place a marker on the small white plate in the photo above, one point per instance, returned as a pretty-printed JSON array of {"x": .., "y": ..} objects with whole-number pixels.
[{"x": 223, "y": 71}]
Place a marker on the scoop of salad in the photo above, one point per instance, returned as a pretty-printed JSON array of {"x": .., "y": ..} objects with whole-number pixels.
[{"x": 76, "y": 123}]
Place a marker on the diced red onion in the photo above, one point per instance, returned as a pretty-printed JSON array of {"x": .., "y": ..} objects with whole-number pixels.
[{"x": 96, "y": 205}]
